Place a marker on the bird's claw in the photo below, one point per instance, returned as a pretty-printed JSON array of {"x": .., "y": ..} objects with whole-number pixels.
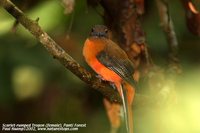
[{"x": 111, "y": 83}]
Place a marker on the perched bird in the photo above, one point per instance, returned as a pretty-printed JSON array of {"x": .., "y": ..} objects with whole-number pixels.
[{"x": 108, "y": 60}]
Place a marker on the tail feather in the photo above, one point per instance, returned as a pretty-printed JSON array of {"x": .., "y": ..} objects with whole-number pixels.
[
  {"x": 127, "y": 98},
  {"x": 127, "y": 92},
  {"x": 127, "y": 106},
  {"x": 125, "y": 109}
]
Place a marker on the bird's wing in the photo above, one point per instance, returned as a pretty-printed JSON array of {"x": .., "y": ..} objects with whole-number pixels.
[{"x": 115, "y": 59}]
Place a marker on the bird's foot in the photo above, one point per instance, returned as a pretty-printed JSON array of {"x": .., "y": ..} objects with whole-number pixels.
[{"x": 102, "y": 79}]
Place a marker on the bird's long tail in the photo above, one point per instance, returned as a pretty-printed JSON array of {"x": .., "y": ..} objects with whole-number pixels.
[
  {"x": 127, "y": 93},
  {"x": 125, "y": 108}
]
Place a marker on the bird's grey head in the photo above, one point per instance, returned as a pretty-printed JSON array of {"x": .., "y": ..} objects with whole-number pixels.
[{"x": 99, "y": 31}]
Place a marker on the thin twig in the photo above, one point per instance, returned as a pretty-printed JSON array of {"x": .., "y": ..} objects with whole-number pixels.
[{"x": 58, "y": 53}]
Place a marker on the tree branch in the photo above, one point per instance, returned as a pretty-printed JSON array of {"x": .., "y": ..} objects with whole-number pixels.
[
  {"x": 168, "y": 28},
  {"x": 58, "y": 53}
]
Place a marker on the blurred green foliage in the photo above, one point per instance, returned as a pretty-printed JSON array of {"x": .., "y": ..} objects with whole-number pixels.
[{"x": 35, "y": 88}]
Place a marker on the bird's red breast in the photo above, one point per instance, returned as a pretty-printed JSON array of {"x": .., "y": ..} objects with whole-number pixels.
[{"x": 91, "y": 48}]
